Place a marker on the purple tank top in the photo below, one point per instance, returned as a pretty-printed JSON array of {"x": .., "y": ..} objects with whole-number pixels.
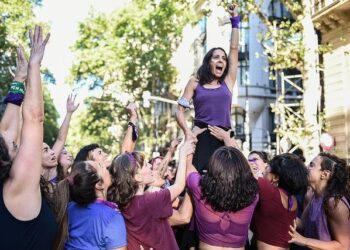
[
  {"x": 213, "y": 106},
  {"x": 315, "y": 220}
]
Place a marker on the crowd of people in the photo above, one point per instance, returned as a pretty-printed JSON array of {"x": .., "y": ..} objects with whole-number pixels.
[{"x": 215, "y": 198}]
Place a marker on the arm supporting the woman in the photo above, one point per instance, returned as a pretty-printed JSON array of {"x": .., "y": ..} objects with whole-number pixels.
[{"x": 180, "y": 112}]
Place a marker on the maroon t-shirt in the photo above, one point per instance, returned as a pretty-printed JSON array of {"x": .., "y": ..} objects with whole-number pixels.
[
  {"x": 271, "y": 220},
  {"x": 146, "y": 222}
]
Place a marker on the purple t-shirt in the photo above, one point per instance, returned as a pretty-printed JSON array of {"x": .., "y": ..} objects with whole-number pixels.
[
  {"x": 95, "y": 226},
  {"x": 146, "y": 222},
  {"x": 223, "y": 229}
]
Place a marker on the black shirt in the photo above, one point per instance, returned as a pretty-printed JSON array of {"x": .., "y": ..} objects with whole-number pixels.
[{"x": 37, "y": 234}]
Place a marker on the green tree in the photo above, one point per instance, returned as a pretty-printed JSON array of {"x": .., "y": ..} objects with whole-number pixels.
[
  {"x": 51, "y": 116},
  {"x": 126, "y": 53},
  {"x": 15, "y": 18}
]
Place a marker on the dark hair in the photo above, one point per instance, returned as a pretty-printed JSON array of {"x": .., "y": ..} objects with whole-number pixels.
[
  {"x": 5, "y": 161},
  {"x": 204, "y": 74},
  {"x": 292, "y": 173},
  {"x": 300, "y": 153},
  {"x": 78, "y": 187},
  {"x": 265, "y": 157},
  {"x": 83, "y": 153},
  {"x": 60, "y": 172},
  {"x": 338, "y": 185},
  {"x": 123, "y": 170},
  {"x": 229, "y": 185}
]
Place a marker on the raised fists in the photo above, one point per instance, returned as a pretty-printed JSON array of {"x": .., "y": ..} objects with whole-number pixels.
[
  {"x": 37, "y": 45},
  {"x": 233, "y": 9}
]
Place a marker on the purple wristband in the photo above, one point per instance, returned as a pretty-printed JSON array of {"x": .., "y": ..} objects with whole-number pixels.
[
  {"x": 235, "y": 21},
  {"x": 14, "y": 98}
]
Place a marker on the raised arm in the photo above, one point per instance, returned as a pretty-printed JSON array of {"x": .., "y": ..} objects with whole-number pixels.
[
  {"x": 10, "y": 125},
  {"x": 183, "y": 214},
  {"x": 186, "y": 149},
  {"x": 63, "y": 132},
  {"x": 230, "y": 79},
  {"x": 184, "y": 103},
  {"x": 22, "y": 190},
  {"x": 164, "y": 164},
  {"x": 131, "y": 135}
]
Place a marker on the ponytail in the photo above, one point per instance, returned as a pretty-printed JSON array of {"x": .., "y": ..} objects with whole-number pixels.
[{"x": 61, "y": 199}]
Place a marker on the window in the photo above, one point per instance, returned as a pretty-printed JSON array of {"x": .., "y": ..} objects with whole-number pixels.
[
  {"x": 243, "y": 72},
  {"x": 278, "y": 11}
]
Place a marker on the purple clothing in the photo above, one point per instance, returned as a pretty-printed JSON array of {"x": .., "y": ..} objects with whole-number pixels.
[
  {"x": 95, "y": 226},
  {"x": 315, "y": 220},
  {"x": 146, "y": 222},
  {"x": 223, "y": 229},
  {"x": 213, "y": 106}
]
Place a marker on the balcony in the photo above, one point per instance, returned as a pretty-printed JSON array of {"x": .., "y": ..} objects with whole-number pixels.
[{"x": 329, "y": 14}]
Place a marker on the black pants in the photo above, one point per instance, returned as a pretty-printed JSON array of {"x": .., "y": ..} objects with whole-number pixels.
[{"x": 205, "y": 147}]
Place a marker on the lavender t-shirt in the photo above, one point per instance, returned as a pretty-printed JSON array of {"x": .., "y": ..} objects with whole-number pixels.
[
  {"x": 226, "y": 229},
  {"x": 95, "y": 226}
]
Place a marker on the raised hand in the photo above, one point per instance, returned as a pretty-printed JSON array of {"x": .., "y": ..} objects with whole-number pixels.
[
  {"x": 37, "y": 45},
  {"x": 233, "y": 9},
  {"x": 22, "y": 65},
  {"x": 71, "y": 106},
  {"x": 197, "y": 131},
  {"x": 296, "y": 237},
  {"x": 174, "y": 143},
  {"x": 132, "y": 110},
  {"x": 219, "y": 133},
  {"x": 188, "y": 147}
]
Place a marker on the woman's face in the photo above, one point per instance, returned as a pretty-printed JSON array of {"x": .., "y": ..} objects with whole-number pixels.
[
  {"x": 257, "y": 163},
  {"x": 156, "y": 163},
  {"x": 218, "y": 63},
  {"x": 146, "y": 173},
  {"x": 49, "y": 159},
  {"x": 272, "y": 178},
  {"x": 98, "y": 155},
  {"x": 103, "y": 172},
  {"x": 315, "y": 171},
  {"x": 65, "y": 159}
]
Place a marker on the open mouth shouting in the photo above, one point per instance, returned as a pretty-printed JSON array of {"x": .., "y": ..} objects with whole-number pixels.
[{"x": 219, "y": 70}]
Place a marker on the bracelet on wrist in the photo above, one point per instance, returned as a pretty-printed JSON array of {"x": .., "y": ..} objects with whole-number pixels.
[
  {"x": 235, "y": 20},
  {"x": 17, "y": 88},
  {"x": 135, "y": 133},
  {"x": 14, "y": 98}
]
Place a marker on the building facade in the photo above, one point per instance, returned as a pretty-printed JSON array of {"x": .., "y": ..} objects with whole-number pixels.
[{"x": 332, "y": 19}]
